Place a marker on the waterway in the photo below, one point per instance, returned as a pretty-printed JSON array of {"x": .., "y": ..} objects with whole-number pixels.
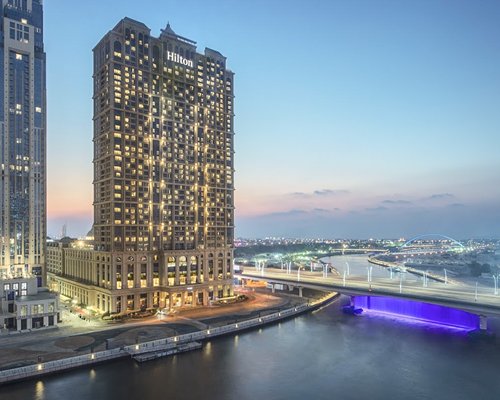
[
  {"x": 358, "y": 265},
  {"x": 321, "y": 355}
]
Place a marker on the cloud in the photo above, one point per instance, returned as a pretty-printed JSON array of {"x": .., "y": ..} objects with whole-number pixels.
[
  {"x": 288, "y": 213},
  {"x": 328, "y": 192},
  {"x": 320, "y": 192},
  {"x": 439, "y": 196},
  {"x": 455, "y": 205},
  {"x": 396, "y": 202},
  {"x": 380, "y": 208}
]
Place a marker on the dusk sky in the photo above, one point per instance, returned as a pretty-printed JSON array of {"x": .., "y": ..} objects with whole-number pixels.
[{"x": 353, "y": 118}]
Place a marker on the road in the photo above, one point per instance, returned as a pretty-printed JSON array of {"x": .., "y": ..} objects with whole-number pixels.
[{"x": 461, "y": 296}]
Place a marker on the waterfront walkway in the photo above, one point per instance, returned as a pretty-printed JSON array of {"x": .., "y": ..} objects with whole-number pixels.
[{"x": 73, "y": 339}]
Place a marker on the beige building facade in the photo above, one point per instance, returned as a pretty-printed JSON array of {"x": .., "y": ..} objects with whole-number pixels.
[
  {"x": 163, "y": 177},
  {"x": 132, "y": 282}
]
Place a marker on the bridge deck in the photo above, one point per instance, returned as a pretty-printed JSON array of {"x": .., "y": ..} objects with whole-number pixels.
[{"x": 460, "y": 297}]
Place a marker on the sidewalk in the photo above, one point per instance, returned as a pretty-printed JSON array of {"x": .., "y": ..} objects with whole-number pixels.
[{"x": 75, "y": 336}]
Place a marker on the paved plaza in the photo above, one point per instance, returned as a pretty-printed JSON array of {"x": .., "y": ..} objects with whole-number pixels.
[{"x": 76, "y": 336}]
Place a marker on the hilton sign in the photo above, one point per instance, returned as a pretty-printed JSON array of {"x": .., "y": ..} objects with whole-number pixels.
[{"x": 179, "y": 59}]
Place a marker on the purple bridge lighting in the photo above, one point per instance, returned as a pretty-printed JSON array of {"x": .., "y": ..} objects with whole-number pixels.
[{"x": 425, "y": 312}]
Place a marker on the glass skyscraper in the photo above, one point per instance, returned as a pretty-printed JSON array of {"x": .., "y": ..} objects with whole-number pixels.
[{"x": 23, "y": 140}]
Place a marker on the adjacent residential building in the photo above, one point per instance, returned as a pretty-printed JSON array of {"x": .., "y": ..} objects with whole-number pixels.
[
  {"x": 163, "y": 176},
  {"x": 22, "y": 140},
  {"x": 23, "y": 303}
]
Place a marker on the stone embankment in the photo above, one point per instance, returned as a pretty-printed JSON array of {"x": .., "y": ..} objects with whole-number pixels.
[{"x": 148, "y": 349}]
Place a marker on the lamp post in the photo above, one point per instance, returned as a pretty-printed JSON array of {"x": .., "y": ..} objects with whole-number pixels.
[
  {"x": 369, "y": 270},
  {"x": 495, "y": 280},
  {"x": 298, "y": 273},
  {"x": 475, "y": 294},
  {"x": 445, "y": 277}
]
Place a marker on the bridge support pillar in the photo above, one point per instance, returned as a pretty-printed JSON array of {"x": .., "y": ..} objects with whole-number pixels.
[
  {"x": 483, "y": 322},
  {"x": 300, "y": 291}
]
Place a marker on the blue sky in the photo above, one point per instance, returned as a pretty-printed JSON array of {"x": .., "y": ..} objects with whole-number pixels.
[{"x": 353, "y": 118}]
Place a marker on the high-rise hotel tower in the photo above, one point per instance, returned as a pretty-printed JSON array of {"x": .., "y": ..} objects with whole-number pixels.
[
  {"x": 22, "y": 140},
  {"x": 163, "y": 176}
]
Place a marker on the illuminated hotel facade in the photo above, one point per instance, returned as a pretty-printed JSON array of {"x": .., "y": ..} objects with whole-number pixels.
[{"x": 163, "y": 176}]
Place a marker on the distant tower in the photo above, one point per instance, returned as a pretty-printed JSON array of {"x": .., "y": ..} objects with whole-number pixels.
[
  {"x": 22, "y": 139},
  {"x": 64, "y": 231}
]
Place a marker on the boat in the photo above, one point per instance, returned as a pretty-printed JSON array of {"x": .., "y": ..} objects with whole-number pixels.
[
  {"x": 352, "y": 310},
  {"x": 152, "y": 355}
]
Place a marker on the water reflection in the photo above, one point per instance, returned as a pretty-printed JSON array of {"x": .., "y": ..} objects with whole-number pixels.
[
  {"x": 207, "y": 349},
  {"x": 315, "y": 356},
  {"x": 39, "y": 390}
]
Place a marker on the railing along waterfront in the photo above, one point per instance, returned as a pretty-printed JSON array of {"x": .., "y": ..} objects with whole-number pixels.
[{"x": 44, "y": 368}]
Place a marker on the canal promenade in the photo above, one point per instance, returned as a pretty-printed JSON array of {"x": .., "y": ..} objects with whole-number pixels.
[{"x": 179, "y": 332}]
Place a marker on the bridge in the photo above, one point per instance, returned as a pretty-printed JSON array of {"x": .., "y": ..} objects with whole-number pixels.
[
  {"x": 430, "y": 243},
  {"x": 460, "y": 297},
  {"x": 436, "y": 235}
]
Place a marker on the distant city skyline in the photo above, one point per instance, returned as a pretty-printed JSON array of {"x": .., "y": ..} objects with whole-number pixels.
[{"x": 353, "y": 119}]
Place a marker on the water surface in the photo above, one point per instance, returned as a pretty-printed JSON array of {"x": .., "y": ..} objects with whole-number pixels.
[{"x": 323, "y": 355}]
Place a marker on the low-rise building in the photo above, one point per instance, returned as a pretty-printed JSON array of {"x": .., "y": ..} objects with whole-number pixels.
[
  {"x": 136, "y": 282},
  {"x": 24, "y": 306}
]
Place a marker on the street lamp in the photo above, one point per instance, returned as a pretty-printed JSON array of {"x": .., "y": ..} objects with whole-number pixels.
[
  {"x": 298, "y": 273},
  {"x": 424, "y": 274}
]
